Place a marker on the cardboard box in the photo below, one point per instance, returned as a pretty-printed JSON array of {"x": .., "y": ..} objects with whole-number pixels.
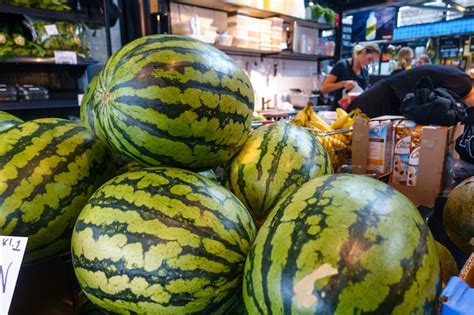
[
  {"x": 380, "y": 148},
  {"x": 437, "y": 149},
  {"x": 467, "y": 271},
  {"x": 403, "y": 131},
  {"x": 414, "y": 159}
]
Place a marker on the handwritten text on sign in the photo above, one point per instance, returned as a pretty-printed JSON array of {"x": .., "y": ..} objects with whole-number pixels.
[{"x": 11, "y": 254}]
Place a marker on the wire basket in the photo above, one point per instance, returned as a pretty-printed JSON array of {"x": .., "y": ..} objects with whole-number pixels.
[{"x": 338, "y": 145}]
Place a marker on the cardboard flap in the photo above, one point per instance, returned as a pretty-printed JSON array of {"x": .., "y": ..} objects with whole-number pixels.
[{"x": 359, "y": 151}]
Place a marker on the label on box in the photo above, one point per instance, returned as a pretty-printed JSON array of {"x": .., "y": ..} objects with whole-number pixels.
[
  {"x": 380, "y": 147},
  {"x": 12, "y": 250},
  {"x": 413, "y": 164},
  {"x": 65, "y": 57},
  {"x": 51, "y": 29}
]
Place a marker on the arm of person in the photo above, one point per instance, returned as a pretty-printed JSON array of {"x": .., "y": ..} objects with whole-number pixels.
[{"x": 330, "y": 84}]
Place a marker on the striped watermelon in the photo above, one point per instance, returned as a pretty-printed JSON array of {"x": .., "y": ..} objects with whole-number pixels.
[
  {"x": 173, "y": 100},
  {"x": 8, "y": 120},
  {"x": 88, "y": 117},
  {"x": 458, "y": 216},
  {"x": 48, "y": 170},
  {"x": 447, "y": 264},
  {"x": 162, "y": 241},
  {"x": 342, "y": 244},
  {"x": 275, "y": 161}
]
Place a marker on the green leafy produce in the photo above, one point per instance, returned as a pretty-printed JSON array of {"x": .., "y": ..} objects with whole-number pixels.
[
  {"x": 57, "y": 5},
  {"x": 70, "y": 37}
]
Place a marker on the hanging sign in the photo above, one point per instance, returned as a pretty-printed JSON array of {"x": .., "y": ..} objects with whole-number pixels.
[{"x": 450, "y": 47}]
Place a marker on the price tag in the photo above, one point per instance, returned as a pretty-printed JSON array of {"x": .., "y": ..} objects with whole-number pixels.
[
  {"x": 67, "y": 57},
  {"x": 11, "y": 255},
  {"x": 79, "y": 98},
  {"x": 51, "y": 29}
]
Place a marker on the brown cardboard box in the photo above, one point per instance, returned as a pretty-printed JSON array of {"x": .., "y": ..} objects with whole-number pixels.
[
  {"x": 437, "y": 145},
  {"x": 467, "y": 271}
]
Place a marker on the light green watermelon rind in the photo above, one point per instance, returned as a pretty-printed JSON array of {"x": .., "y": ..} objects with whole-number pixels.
[
  {"x": 49, "y": 168},
  {"x": 171, "y": 100},
  {"x": 316, "y": 231},
  {"x": 276, "y": 160},
  {"x": 138, "y": 242},
  {"x": 8, "y": 121}
]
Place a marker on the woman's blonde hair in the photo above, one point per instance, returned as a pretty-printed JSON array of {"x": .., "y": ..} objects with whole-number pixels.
[
  {"x": 370, "y": 48},
  {"x": 405, "y": 57}
]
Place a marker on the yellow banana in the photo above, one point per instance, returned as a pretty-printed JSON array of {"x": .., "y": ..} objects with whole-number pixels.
[
  {"x": 340, "y": 122},
  {"x": 318, "y": 122},
  {"x": 300, "y": 119},
  {"x": 340, "y": 112}
]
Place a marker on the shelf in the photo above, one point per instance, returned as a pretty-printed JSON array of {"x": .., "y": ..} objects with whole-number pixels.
[
  {"x": 46, "y": 61},
  {"x": 297, "y": 56},
  {"x": 43, "y": 13},
  {"x": 28, "y": 105},
  {"x": 226, "y": 6},
  {"x": 242, "y": 51},
  {"x": 271, "y": 54}
]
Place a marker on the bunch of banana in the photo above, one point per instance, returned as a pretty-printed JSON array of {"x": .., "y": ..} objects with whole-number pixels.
[
  {"x": 345, "y": 120},
  {"x": 334, "y": 142}
]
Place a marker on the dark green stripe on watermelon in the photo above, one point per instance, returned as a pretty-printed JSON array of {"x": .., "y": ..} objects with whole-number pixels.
[
  {"x": 332, "y": 248},
  {"x": 171, "y": 100},
  {"x": 48, "y": 170},
  {"x": 162, "y": 240}
]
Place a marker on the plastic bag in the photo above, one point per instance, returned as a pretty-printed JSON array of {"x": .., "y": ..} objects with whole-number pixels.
[
  {"x": 60, "y": 35},
  {"x": 457, "y": 298}
]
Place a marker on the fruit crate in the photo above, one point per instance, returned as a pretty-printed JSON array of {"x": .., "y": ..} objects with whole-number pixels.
[{"x": 338, "y": 144}]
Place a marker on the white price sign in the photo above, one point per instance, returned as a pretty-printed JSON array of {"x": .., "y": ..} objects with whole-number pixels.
[
  {"x": 68, "y": 57},
  {"x": 51, "y": 29},
  {"x": 12, "y": 249}
]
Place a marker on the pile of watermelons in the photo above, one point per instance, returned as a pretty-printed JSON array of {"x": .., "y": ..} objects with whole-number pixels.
[{"x": 129, "y": 194}]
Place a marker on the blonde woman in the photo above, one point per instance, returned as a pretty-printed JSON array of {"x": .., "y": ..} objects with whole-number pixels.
[
  {"x": 349, "y": 72},
  {"x": 405, "y": 58}
]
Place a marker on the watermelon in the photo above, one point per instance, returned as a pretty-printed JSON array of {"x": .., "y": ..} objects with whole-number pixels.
[
  {"x": 48, "y": 170},
  {"x": 447, "y": 264},
  {"x": 342, "y": 244},
  {"x": 162, "y": 241},
  {"x": 88, "y": 117},
  {"x": 8, "y": 120},
  {"x": 458, "y": 216},
  {"x": 172, "y": 100},
  {"x": 275, "y": 161}
]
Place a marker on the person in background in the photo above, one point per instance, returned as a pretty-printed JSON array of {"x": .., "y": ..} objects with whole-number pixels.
[
  {"x": 349, "y": 72},
  {"x": 423, "y": 59},
  {"x": 386, "y": 96},
  {"x": 405, "y": 58}
]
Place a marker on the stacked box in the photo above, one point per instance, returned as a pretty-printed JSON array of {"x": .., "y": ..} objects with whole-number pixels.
[
  {"x": 414, "y": 159},
  {"x": 380, "y": 147},
  {"x": 402, "y": 150}
]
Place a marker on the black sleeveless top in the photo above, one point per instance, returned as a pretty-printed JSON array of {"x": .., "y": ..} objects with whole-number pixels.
[{"x": 343, "y": 71}]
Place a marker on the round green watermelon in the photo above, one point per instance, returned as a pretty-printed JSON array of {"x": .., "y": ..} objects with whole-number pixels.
[
  {"x": 173, "y": 100},
  {"x": 276, "y": 160},
  {"x": 88, "y": 116},
  {"x": 447, "y": 264},
  {"x": 162, "y": 241},
  {"x": 458, "y": 216},
  {"x": 48, "y": 170},
  {"x": 342, "y": 244},
  {"x": 8, "y": 120}
]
